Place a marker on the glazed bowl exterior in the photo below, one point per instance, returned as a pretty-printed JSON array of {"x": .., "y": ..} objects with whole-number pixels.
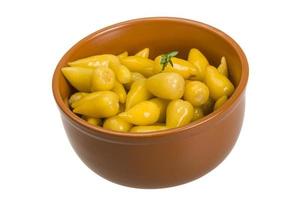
[{"x": 164, "y": 158}]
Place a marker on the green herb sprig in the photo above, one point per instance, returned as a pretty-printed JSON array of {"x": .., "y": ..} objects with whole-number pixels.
[{"x": 166, "y": 58}]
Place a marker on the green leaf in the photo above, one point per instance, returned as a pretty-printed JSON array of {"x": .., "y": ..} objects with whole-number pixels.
[
  {"x": 166, "y": 58},
  {"x": 170, "y": 61},
  {"x": 172, "y": 54}
]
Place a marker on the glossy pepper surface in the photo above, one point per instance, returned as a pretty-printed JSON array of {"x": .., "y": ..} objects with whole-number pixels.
[
  {"x": 199, "y": 61},
  {"x": 144, "y": 113},
  {"x": 98, "y": 104},
  {"x": 218, "y": 84},
  {"x": 179, "y": 113},
  {"x": 166, "y": 85}
]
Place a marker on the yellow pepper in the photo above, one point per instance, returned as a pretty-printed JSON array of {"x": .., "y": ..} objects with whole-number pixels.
[
  {"x": 142, "y": 129},
  {"x": 222, "y": 68},
  {"x": 134, "y": 77},
  {"x": 162, "y": 104},
  {"x": 218, "y": 84},
  {"x": 116, "y": 123},
  {"x": 92, "y": 61},
  {"x": 87, "y": 97},
  {"x": 184, "y": 90},
  {"x": 167, "y": 85},
  {"x": 139, "y": 64},
  {"x": 220, "y": 102},
  {"x": 79, "y": 77},
  {"x": 143, "y": 53},
  {"x": 92, "y": 120},
  {"x": 103, "y": 79},
  {"x": 196, "y": 93},
  {"x": 179, "y": 113},
  {"x": 198, "y": 113},
  {"x": 144, "y": 113},
  {"x": 98, "y": 104},
  {"x": 123, "y": 55},
  {"x": 199, "y": 61},
  {"x": 76, "y": 97},
  {"x": 120, "y": 91},
  {"x": 137, "y": 93},
  {"x": 122, "y": 73},
  {"x": 180, "y": 66}
]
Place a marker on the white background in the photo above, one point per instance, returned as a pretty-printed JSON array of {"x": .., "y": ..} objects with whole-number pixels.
[{"x": 36, "y": 159}]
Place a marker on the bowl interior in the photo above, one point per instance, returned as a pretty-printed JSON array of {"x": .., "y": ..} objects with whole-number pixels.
[{"x": 161, "y": 35}]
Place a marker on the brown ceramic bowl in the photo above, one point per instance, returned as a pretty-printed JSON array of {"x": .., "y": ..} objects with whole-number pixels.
[{"x": 164, "y": 158}]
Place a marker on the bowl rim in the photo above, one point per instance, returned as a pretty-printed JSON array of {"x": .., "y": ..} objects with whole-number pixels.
[{"x": 199, "y": 123}]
